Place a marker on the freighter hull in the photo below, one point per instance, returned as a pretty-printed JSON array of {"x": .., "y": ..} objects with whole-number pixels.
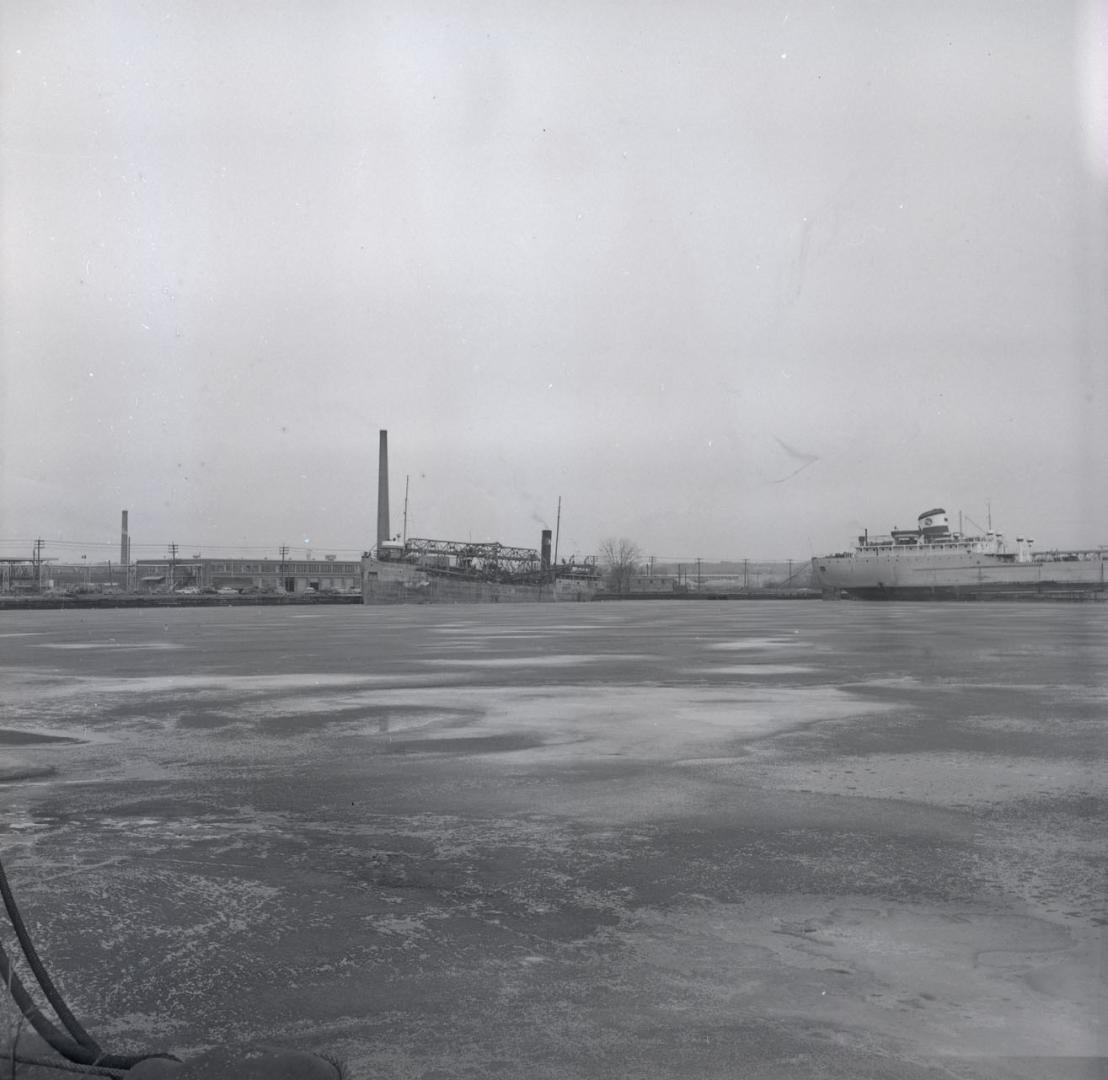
[{"x": 901, "y": 577}]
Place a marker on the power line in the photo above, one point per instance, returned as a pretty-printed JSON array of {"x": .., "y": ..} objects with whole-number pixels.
[{"x": 219, "y": 549}]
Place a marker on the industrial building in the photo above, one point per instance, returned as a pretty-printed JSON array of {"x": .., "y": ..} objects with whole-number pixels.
[
  {"x": 397, "y": 570},
  {"x": 295, "y": 576},
  {"x": 456, "y": 571},
  {"x": 284, "y": 575}
]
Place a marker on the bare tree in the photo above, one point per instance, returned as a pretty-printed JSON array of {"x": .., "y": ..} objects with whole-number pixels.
[{"x": 621, "y": 558}]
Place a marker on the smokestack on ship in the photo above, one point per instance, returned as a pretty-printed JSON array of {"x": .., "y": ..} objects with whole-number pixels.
[
  {"x": 545, "y": 552},
  {"x": 934, "y": 523}
]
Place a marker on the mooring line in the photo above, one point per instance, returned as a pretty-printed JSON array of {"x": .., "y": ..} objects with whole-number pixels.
[{"x": 75, "y": 1044}]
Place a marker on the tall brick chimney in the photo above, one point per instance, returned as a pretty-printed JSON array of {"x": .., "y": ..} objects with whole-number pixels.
[{"x": 383, "y": 492}]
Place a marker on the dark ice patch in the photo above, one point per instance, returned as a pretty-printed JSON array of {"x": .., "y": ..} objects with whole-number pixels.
[
  {"x": 481, "y": 744},
  {"x": 203, "y": 721}
]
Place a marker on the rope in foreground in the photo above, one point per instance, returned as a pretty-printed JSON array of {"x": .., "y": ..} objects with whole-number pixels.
[
  {"x": 74, "y": 1044},
  {"x": 81, "y": 1054}
]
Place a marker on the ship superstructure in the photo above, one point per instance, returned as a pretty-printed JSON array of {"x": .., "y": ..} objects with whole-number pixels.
[{"x": 932, "y": 562}]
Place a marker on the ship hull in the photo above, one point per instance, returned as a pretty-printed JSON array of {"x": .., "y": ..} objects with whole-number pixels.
[{"x": 926, "y": 576}]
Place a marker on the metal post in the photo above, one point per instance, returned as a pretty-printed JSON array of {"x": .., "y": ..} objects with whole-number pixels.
[
  {"x": 404, "y": 536},
  {"x": 557, "y": 530}
]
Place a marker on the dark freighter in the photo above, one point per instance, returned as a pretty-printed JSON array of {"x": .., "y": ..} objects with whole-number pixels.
[{"x": 931, "y": 562}]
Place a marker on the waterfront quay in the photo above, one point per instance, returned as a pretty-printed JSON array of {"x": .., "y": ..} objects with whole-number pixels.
[{"x": 636, "y": 840}]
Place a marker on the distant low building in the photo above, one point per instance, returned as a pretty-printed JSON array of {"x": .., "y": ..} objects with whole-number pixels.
[{"x": 265, "y": 575}]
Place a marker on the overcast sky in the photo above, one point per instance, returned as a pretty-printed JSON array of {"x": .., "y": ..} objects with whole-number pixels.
[{"x": 732, "y": 279}]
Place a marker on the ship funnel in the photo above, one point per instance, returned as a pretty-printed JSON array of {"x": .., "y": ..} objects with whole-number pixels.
[
  {"x": 934, "y": 523},
  {"x": 383, "y": 492},
  {"x": 545, "y": 551}
]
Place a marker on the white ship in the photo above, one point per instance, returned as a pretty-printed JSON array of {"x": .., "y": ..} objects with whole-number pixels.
[{"x": 930, "y": 562}]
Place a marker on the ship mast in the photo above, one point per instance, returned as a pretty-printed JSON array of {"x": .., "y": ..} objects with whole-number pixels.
[
  {"x": 404, "y": 538},
  {"x": 557, "y": 530}
]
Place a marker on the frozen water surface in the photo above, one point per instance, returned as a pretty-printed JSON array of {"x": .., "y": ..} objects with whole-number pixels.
[{"x": 787, "y": 840}]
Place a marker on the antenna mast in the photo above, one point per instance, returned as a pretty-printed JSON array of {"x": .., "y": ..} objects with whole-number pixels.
[{"x": 404, "y": 538}]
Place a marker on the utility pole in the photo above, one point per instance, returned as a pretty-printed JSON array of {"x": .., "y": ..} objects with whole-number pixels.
[
  {"x": 172, "y": 566},
  {"x": 37, "y": 561},
  {"x": 284, "y": 556},
  {"x": 698, "y": 577}
]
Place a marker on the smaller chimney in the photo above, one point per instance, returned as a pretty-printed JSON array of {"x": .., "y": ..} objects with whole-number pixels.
[{"x": 546, "y": 535}]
